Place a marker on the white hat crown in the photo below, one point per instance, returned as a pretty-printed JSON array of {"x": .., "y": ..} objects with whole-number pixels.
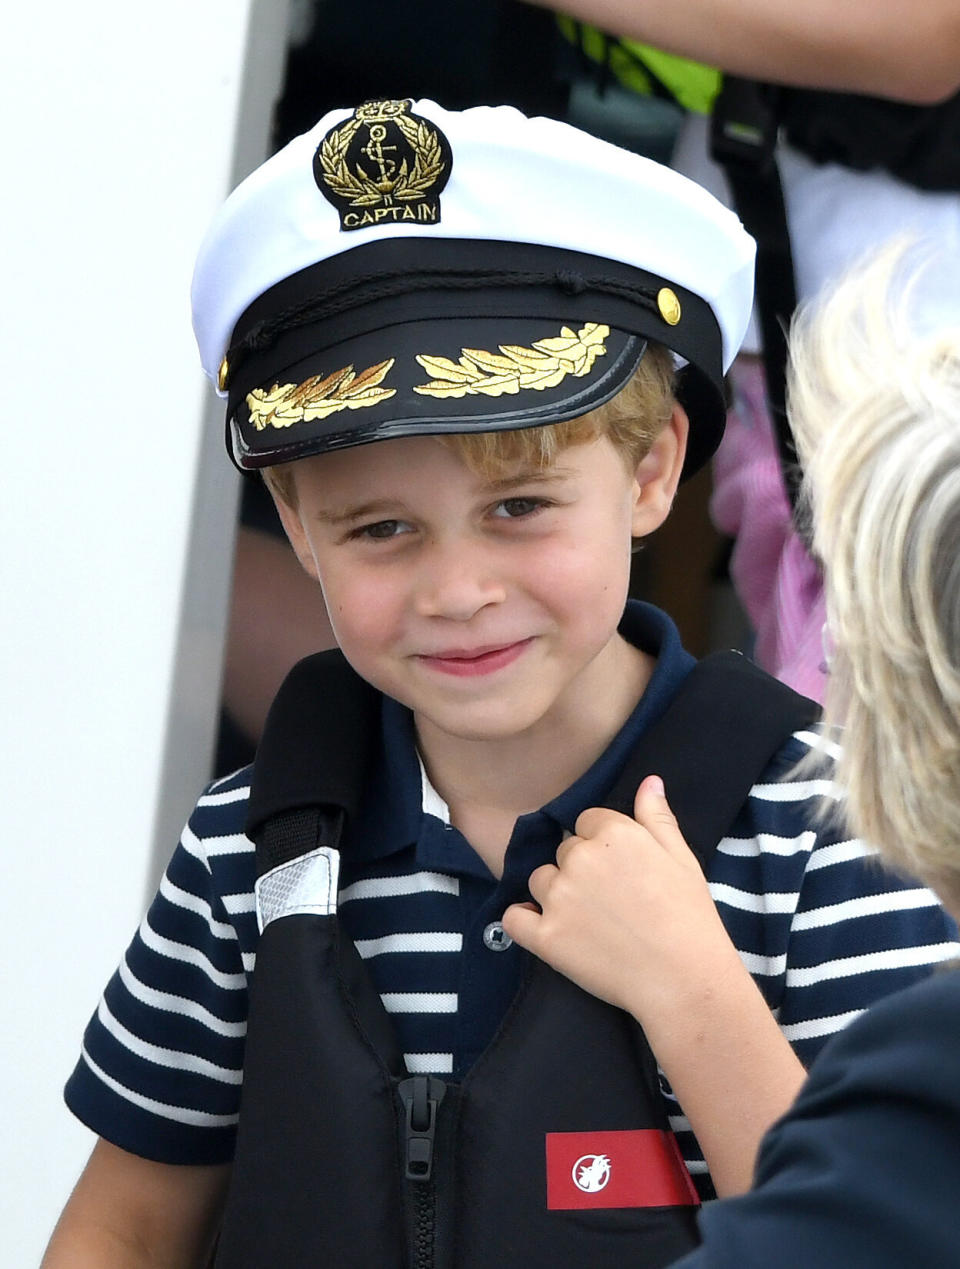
[{"x": 513, "y": 179}]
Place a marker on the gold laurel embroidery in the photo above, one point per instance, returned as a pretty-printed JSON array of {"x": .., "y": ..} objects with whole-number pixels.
[
  {"x": 339, "y": 178},
  {"x": 358, "y": 187},
  {"x": 544, "y": 365},
  {"x": 427, "y": 163},
  {"x": 318, "y": 397}
]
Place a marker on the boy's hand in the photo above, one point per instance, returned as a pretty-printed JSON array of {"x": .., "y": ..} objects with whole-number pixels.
[{"x": 626, "y": 912}]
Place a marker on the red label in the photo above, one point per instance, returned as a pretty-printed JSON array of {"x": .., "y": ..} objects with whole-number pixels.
[{"x": 639, "y": 1168}]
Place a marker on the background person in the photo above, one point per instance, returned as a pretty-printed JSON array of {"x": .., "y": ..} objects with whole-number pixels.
[{"x": 862, "y": 105}]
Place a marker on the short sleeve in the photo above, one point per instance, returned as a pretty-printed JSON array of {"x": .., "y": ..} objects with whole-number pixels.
[
  {"x": 161, "y": 1063},
  {"x": 822, "y": 925}
]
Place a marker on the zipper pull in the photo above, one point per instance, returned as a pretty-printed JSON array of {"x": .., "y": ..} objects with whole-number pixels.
[{"x": 421, "y": 1095}]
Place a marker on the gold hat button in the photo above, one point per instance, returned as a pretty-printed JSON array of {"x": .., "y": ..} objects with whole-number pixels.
[
  {"x": 223, "y": 375},
  {"x": 669, "y": 306}
]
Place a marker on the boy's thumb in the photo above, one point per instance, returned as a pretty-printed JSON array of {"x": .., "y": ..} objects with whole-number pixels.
[
  {"x": 651, "y": 802},
  {"x": 653, "y": 785},
  {"x": 653, "y": 812}
]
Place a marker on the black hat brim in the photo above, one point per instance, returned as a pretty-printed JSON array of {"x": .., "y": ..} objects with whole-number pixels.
[{"x": 397, "y": 339}]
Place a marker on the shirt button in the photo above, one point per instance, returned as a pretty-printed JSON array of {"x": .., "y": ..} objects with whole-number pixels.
[{"x": 496, "y": 938}]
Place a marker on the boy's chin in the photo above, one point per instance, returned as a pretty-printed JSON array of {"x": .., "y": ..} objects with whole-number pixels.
[{"x": 472, "y": 724}]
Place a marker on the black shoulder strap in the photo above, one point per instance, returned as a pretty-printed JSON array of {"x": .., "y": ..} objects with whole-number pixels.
[
  {"x": 711, "y": 745},
  {"x": 311, "y": 761},
  {"x": 743, "y": 137},
  {"x": 715, "y": 738}
]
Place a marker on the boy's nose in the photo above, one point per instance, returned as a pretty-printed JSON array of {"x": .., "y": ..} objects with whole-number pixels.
[{"x": 457, "y": 581}]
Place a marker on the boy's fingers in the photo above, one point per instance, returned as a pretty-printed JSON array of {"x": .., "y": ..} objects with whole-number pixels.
[
  {"x": 540, "y": 881},
  {"x": 566, "y": 846},
  {"x": 595, "y": 820},
  {"x": 520, "y": 921}
]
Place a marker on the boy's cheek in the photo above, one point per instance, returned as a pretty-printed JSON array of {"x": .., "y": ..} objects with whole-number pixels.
[{"x": 362, "y": 618}]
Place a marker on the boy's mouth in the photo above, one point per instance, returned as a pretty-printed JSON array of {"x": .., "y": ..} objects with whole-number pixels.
[{"x": 469, "y": 662}]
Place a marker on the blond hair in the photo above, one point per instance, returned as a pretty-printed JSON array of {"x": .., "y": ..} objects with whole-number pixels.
[
  {"x": 632, "y": 419},
  {"x": 875, "y": 406}
]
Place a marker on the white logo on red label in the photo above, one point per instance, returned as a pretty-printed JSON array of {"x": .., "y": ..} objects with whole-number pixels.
[
  {"x": 591, "y": 1172},
  {"x": 611, "y": 1168}
]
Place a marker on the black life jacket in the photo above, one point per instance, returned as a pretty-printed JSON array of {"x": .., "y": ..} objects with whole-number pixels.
[{"x": 554, "y": 1149}]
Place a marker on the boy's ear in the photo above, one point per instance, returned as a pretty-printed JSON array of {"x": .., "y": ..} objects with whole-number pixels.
[
  {"x": 658, "y": 474},
  {"x": 293, "y": 527}
]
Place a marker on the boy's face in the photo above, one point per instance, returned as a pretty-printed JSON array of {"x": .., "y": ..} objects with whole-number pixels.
[{"x": 485, "y": 605}]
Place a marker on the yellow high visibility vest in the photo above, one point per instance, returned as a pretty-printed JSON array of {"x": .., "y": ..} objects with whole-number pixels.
[{"x": 636, "y": 66}]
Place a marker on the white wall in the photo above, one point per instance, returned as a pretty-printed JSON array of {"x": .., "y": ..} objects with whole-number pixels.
[{"x": 123, "y": 128}]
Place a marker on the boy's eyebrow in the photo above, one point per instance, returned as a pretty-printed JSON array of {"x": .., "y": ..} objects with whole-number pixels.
[
  {"x": 533, "y": 477},
  {"x": 377, "y": 506},
  {"x": 395, "y": 508}
]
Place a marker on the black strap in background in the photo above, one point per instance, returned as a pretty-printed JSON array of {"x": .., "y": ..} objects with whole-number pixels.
[
  {"x": 711, "y": 745},
  {"x": 743, "y": 141},
  {"x": 918, "y": 144}
]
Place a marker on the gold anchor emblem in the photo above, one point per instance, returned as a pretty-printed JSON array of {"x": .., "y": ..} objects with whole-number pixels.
[
  {"x": 376, "y": 150},
  {"x": 383, "y": 165}
]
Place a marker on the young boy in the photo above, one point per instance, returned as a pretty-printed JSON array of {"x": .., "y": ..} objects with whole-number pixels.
[{"x": 444, "y": 339}]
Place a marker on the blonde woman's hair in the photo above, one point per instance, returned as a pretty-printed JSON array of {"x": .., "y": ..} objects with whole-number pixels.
[
  {"x": 632, "y": 420},
  {"x": 875, "y": 406}
]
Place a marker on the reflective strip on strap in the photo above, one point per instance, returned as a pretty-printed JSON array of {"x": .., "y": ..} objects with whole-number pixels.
[{"x": 307, "y": 884}]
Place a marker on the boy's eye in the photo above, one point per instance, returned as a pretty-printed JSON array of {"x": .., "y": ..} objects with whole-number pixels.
[
  {"x": 381, "y": 530},
  {"x": 515, "y": 508}
]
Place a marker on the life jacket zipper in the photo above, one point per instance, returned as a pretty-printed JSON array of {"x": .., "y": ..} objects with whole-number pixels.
[{"x": 421, "y": 1096}]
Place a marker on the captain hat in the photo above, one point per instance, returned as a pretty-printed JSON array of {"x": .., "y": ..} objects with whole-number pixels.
[{"x": 402, "y": 270}]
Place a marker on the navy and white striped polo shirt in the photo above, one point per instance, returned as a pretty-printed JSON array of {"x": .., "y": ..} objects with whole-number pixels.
[{"x": 823, "y": 929}]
